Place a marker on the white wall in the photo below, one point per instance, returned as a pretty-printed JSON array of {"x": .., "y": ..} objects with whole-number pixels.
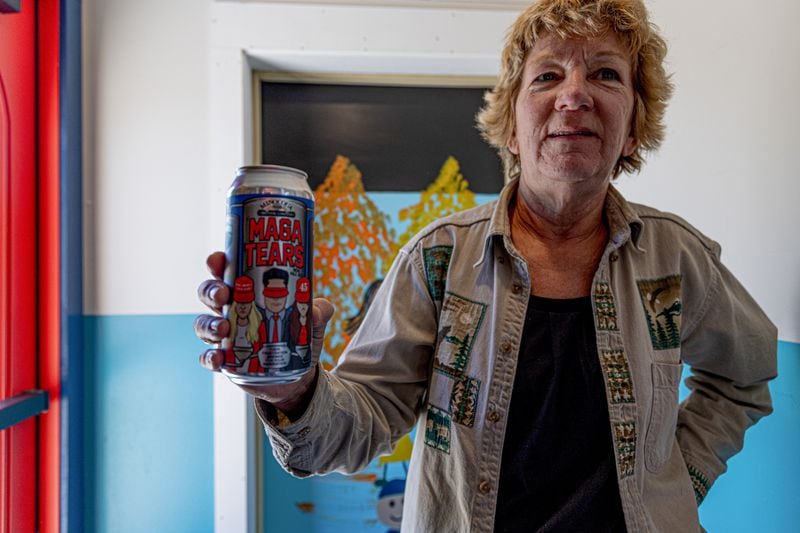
[
  {"x": 167, "y": 98},
  {"x": 146, "y": 123}
]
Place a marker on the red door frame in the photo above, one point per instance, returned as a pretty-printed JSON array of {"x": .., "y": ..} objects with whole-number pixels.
[
  {"x": 29, "y": 261},
  {"x": 49, "y": 259},
  {"x": 18, "y": 443}
]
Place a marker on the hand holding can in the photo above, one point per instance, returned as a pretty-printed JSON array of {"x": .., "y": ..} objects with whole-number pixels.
[{"x": 291, "y": 398}]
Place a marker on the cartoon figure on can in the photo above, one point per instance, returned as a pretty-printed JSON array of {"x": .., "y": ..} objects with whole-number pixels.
[
  {"x": 298, "y": 320},
  {"x": 276, "y": 318},
  {"x": 247, "y": 327}
]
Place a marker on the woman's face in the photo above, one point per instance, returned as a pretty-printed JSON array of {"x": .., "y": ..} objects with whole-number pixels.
[
  {"x": 574, "y": 108},
  {"x": 242, "y": 309}
]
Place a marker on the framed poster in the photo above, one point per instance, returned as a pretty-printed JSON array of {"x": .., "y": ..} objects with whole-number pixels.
[{"x": 385, "y": 155}]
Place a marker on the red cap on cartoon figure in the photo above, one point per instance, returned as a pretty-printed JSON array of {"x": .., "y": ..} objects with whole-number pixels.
[
  {"x": 302, "y": 293},
  {"x": 243, "y": 290}
]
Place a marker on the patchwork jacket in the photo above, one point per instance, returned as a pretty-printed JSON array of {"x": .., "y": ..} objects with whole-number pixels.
[{"x": 438, "y": 348}]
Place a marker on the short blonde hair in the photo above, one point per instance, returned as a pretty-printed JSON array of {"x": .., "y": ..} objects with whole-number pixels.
[{"x": 628, "y": 19}]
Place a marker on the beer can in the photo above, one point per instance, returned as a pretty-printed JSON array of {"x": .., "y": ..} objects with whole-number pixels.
[{"x": 270, "y": 266}]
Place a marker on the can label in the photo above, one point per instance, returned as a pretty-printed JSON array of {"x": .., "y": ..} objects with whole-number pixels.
[{"x": 269, "y": 269}]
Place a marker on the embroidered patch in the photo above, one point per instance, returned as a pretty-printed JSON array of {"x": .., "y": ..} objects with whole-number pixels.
[
  {"x": 450, "y": 372},
  {"x": 699, "y": 483},
  {"x": 604, "y": 304},
  {"x": 464, "y": 400},
  {"x": 625, "y": 439},
  {"x": 437, "y": 429},
  {"x": 661, "y": 299},
  {"x": 453, "y": 392},
  {"x": 460, "y": 321},
  {"x": 440, "y": 390},
  {"x": 618, "y": 376},
  {"x": 437, "y": 261}
]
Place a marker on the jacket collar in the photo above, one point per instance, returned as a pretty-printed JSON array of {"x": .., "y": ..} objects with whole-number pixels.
[{"x": 623, "y": 221}]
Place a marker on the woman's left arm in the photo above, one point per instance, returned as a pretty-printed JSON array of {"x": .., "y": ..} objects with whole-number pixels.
[{"x": 731, "y": 348}]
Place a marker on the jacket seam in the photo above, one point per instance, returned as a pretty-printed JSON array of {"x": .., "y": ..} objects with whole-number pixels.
[
  {"x": 711, "y": 293},
  {"x": 416, "y": 263},
  {"x": 419, "y": 270},
  {"x": 425, "y": 233},
  {"x": 704, "y": 241}
]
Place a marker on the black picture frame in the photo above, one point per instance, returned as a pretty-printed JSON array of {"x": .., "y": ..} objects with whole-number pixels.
[{"x": 397, "y": 135}]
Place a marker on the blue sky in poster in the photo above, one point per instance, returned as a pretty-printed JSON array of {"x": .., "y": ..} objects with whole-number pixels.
[{"x": 392, "y": 202}]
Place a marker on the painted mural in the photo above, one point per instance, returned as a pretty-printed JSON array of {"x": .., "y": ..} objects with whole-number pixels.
[
  {"x": 353, "y": 244},
  {"x": 357, "y": 235},
  {"x": 355, "y": 241},
  {"x": 383, "y": 161}
]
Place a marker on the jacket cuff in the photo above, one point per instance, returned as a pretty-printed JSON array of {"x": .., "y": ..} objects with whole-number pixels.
[
  {"x": 700, "y": 482},
  {"x": 292, "y": 442}
]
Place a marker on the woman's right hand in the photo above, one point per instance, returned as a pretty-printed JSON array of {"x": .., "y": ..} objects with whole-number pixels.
[
  {"x": 211, "y": 329},
  {"x": 291, "y": 398}
]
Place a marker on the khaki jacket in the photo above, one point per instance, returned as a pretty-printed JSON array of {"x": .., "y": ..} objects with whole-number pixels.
[{"x": 439, "y": 346}]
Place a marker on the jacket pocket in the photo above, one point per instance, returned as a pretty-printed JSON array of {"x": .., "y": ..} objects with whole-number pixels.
[{"x": 663, "y": 415}]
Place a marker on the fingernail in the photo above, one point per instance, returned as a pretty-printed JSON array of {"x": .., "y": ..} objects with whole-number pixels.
[{"x": 212, "y": 293}]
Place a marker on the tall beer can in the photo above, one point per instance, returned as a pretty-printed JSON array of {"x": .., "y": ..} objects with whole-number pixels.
[{"x": 270, "y": 267}]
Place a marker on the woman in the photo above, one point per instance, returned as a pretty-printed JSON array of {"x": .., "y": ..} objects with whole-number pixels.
[
  {"x": 543, "y": 367},
  {"x": 299, "y": 332},
  {"x": 247, "y": 331}
]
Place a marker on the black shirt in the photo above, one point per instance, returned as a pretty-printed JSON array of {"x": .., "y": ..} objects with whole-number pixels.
[{"x": 558, "y": 471}]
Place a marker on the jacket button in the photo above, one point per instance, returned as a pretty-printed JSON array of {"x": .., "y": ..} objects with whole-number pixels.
[
  {"x": 614, "y": 256},
  {"x": 493, "y": 416},
  {"x": 517, "y": 289},
  {"x": 484, "y": 487},
  {"x": 505, "y": 346}
]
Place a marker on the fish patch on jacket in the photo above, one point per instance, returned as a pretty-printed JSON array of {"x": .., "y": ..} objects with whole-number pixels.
[{"x": 661, "y": 299}]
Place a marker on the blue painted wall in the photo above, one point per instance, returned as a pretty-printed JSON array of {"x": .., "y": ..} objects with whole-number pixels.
[
  {"x": 761, "y": 489},
  {"x": 149, "y": 444},
  {"x": 148, "y": 421}
]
